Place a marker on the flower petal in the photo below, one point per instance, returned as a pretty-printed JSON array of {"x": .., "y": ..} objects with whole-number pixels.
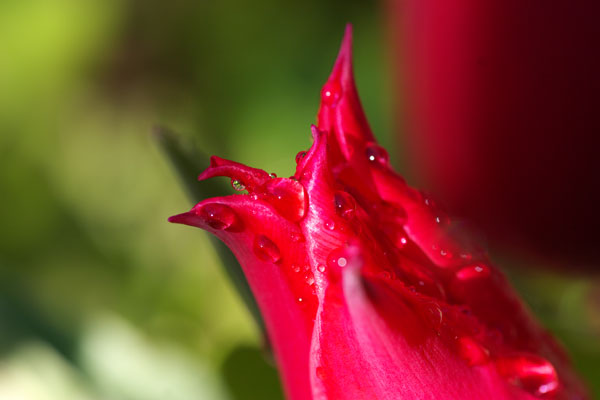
[
  {"x": 248, "y": 176},
  {"x": 276, "y": 270},
  {"x": 362, "y": 350},
  {"x": 340, "y": 113}
]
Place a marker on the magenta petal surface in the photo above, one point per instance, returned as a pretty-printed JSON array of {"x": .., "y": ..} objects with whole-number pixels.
[{"x": 367, "y": 288}]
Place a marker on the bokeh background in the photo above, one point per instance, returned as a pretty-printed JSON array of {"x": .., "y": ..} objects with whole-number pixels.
[{"x": 100, "y": 298}]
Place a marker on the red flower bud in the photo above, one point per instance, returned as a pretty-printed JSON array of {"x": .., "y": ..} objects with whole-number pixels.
[{"x": 365, "y": 290}]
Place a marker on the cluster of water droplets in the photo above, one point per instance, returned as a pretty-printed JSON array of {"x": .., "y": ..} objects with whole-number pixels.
[
  {"x": 532, "y": 373},
  {"x": 289, "y": 198}
]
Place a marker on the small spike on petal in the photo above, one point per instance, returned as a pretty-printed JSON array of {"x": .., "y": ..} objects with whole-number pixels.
[{"x": 249, "y": 177}]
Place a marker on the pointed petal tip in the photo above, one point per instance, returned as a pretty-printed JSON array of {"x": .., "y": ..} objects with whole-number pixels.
[
  {"x": 314, "y": 130},
  {"x": 347, "y": 40},
  {"x": 344, "y": 58},
  {"x": 204, "y": 175},
  {"x": 248, "y": 176},
  {"x": 341, "y": 80},
  {"x": 214, "y": 162},
  {"x": 318, "y": 136},
  {"x": 180, "y": 218}
]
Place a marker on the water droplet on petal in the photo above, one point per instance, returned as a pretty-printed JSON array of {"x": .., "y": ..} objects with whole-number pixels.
[
  {"x": 532, "y": 373},
  {"x": 300, "y": 156},
  {"x": 217, "y": 216},
  {"x": 273, "y": 175},
  {"x": 300, "y": 300},
  {"x": 446, "y": 254},
  {"x": 331, "y": 93},
  {"x": 473, "y": 272},
  {"x": 330, "y": 225},
  {"x": 337, "y": 259},
  {"x": 287, "y": 196},
  {"x": 472, "y": 351},
  {"x": 238, "y": 185},
  {"x": 296, "y": 268},
  {"x": 345, "y": 206},
  {"x": 309, "y": 278},
  {"x": 320, "y": 372},
  {"x": 377, "y": 155},
  {"x": 321, "y": 268},
  {"x": 265, "y": 249}
]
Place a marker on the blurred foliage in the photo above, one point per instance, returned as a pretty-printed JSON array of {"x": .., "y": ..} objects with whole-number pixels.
[{"x": 99, "y": 296}]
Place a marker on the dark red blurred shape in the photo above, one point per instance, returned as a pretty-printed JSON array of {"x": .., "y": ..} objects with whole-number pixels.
[{"x": 504, "y": 110}]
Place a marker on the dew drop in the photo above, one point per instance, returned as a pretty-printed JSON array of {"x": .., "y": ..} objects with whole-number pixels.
[
  {"x": 321, "y": 268},
  {"x": 446, "y": 254},
  {"x": 532, "y": 373},
  {"x": 337, "y": 259},
  {"x": 330, "y": 225},
  {"x": 331, "y": 93},
  {"x": 265, "y": 249},
  {"x": 377, "y": 155},
  {"x": 273, "y": 175},
  {"x": 296, "y": 268},
  {"x": 300, "y": 156},
  {"x": 320, "y": 372},
  {"x": 309, "y": 278},
  {"x": 345, "y": 206},
  {"x": 238, "y": 185},
  {"x": 300, "y": 300},
  {"x": 473, "y": 272},
  {"x": 287, "y": 196},
  {"x": 472, "y": 351},
  {"x": 217, "y": 216}
]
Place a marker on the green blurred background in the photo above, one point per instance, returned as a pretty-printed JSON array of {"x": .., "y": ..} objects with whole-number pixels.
[{"x": 100, "y": 298}]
